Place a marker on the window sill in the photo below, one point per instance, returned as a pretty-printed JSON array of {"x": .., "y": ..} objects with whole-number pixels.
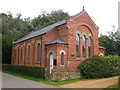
[
  {"x": 62, "y": 66},
  {"x": 77, "y": 58},
  {"x": 37, "y": 63},
  {"x": 20, "y": 62},
  {"x": 27, "y": 62}
]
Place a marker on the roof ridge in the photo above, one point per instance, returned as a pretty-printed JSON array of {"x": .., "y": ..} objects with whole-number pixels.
[{"x": 40, "y": 31}]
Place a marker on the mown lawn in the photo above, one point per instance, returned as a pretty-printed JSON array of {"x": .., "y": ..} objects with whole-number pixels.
[
  {"x": 113, "y": 86},
  {"x": 46, "y": 81},
  {"x": 62, "y": 82}
]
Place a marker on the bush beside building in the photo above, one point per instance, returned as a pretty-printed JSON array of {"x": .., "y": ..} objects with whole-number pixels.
[{"x": 99, "y": 67}]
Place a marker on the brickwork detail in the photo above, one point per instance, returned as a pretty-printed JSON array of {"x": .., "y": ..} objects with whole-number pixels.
[{"x": 80, "y": 24}]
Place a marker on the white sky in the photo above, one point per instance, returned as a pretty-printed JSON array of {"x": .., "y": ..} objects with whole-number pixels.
[{"x": 103, "y": 12}]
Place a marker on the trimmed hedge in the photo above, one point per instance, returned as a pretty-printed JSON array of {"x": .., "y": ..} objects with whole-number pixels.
[
  {"x": 99, "y": 67},
  {"x": 37, "y": 72}
]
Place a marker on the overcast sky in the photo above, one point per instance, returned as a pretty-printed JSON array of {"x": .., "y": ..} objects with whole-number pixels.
[{"x": 103, "y": 12}]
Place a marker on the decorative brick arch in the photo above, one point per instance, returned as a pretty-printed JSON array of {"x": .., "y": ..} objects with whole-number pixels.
[
  {"x": 101, "y": 54},
  {"x": 84, "y": 34},
  {"x": 80, "y": 34},
  {"x": 50, "y": 51},
  {"x": 89, "y": 35},
  {"x": 38, "y": 42},
  {"x": 87, "y": 25},
  {"x": 91, "y": 31},
  {"x": 28, "y": 45},
  {"x": 62, "y": 51}
]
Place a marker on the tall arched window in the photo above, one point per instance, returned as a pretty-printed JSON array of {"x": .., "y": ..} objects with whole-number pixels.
[
  {"x": 15, "y": 55},
  {"x": 83, "y": 46},
  {"x": 62, "y": 58},
  {"x": 89, "y": 46},
  {"x": 29, "y": 54},
  {"x": 38, "y": 52},
  {"x": 21, "y": 55},
  {"x": 77, "y": 45}
]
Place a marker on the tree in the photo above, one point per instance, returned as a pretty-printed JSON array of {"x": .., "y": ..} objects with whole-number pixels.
[
  {"x": 15, "y": 28},
  {"x": 111, "y": 42},
  {"x": 46, "y": 19},
  {"x": 12, "y": 29},
  {"x": 6, "y": 49}
]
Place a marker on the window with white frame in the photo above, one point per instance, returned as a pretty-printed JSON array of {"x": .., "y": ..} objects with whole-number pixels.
[
  {"x": 38, "y": 52},
  {"x": 77, "y": 45},
  {"x": 84, "y": 46}
]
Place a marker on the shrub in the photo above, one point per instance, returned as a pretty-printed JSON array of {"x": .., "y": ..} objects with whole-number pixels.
[
  {"x": 99, "y": 67},
  {"x": 37, "y": 72}
]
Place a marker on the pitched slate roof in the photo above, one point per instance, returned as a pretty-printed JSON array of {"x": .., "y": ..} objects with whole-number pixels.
[
  {"x": 100, "y": 47},
  {"x": 57, "y": 41},
  {"x": 41, "y": 31}
]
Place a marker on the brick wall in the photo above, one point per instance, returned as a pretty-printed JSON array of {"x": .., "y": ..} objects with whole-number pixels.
[
  {"x": 101, "y": 52},
  {"x": 80, "y": 24}
]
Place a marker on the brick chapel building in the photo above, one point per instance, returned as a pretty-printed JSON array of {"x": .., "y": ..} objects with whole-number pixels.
[{"x": 62, "y": 45}]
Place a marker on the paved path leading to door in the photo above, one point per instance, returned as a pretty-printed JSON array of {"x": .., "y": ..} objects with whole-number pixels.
[
  {"x": 10, "y": 81},
  {"x": 98, "y": 83}
]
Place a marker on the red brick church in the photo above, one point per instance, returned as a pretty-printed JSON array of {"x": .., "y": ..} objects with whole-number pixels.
[{"x": 62, "y": 45}]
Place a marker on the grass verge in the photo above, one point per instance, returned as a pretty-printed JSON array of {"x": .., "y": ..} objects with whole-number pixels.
[
  {"x": 113, "y": 86},
  {"x": 62, "y": 82},
  {"x": 46, "y": 81}
]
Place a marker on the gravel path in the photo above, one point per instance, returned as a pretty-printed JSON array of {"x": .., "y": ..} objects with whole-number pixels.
[
  {"x": 10, "y": 81},
  {"x": 99, "y": 83}
]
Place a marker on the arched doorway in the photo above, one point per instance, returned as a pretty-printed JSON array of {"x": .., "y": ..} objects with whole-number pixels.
[{"x": 51, "y": 62}]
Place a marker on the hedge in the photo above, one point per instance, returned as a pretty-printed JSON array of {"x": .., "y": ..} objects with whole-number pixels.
[
  {"x": 99, "y": 67},
  {"x": 37, "y": 72}
]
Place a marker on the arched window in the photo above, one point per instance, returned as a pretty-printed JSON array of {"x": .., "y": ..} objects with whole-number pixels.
[
  {"x": 21, "y": 55},
  {"x": 83, "y": 46},
  {"x": 15, "y": 53},
  {"x": 77, "y": 45},
  {"x": 62, "y": 58},
  {"x": 38, "y": 52},
  {"x": 89, "y": 46},
  {"x": 28, "y": 54}
]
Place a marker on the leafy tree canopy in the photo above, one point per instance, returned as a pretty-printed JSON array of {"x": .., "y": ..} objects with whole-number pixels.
[
  {"x": 111, "y": 42},
  {"x": 13, "y": 28},
  {"x": 46, "y": 19}
]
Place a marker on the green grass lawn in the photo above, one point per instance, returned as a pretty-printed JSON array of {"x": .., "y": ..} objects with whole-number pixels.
[
  {"x": 46, "y": 81},
  {"x": 113, "y": 86},
  {"x": 62, "y": 82}
]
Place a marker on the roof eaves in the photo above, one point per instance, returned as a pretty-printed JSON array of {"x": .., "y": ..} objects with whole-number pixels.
[
  {"x": 27, "y": 39},
  {"x": 40, "y": 32},
  {"x": 100, "y": 47},
  {"x": 56, "y": 43}
]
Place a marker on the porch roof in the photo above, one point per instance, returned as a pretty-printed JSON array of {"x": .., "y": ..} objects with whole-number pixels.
[
  {"x": 100, "y": 47},
  {"x": 57, "y": 41}
]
